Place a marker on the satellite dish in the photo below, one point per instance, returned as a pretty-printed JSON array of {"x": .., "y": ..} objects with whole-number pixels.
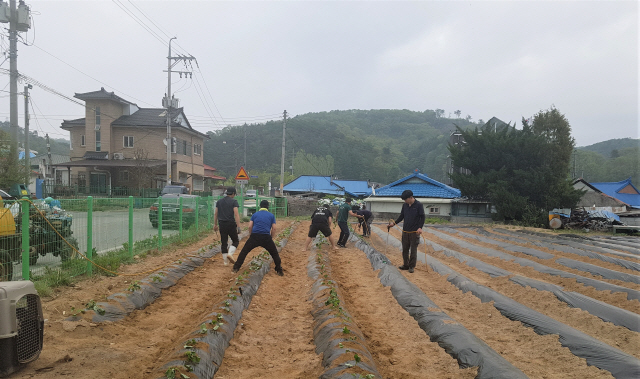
[{"x": 164, "y": 141}]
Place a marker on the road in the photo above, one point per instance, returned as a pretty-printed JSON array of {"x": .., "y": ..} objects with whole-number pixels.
[{"x": 110, "y": 231}]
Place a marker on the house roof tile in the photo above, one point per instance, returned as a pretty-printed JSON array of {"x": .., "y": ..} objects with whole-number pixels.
[
  {"x": 613, "y": 189},
  {"x": 421, "y": 186}
]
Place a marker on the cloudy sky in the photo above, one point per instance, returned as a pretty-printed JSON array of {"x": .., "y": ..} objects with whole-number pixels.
[{"x": 256, "y": 59}]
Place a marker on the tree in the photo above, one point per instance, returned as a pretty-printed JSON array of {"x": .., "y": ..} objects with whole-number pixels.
[
  {"x": 439, "y": 112},
  {"x": 524, "y": 173},
  {"x": 12, "y": 171},
  {"x": 457, "y": 113},
  {"x": 142, "y": 173},
  {"x": 615, "y": 153}
]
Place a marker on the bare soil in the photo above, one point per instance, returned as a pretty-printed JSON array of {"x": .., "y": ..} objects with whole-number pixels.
[{"x": 275, "y": 337}]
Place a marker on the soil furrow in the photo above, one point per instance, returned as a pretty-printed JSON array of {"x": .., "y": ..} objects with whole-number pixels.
[
  {"x": 537, "y": 356},
  {"x": 619, "y": 299},
  {"x": 398, "y": 344},
  {"x": 132, "y": 347},
  {"x": 275, "y": 337}
]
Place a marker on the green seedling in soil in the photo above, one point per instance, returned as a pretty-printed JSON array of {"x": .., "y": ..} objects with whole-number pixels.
[
  {"x": 74, "y": 312},
  {"x": 340, "y": 345},
  {"x": 93, "y": 306},
  {"x": 190, "y": 344},
  {"x": 188, "y": 367},
  {"x": 227, "y": 303},
  {"x": 356, "y": 357},
  {"x": 174, "y": 372},
  {"x": 348, "y": 364},
  {"x": 203, "y": 329},
  {"x": 226, "y": 309},
  {"x": 346, "y": 330},
  {"x": 156, "y": 278},
  {"x": 193, "y": 357},
  {"x": 133, "y": 286}
]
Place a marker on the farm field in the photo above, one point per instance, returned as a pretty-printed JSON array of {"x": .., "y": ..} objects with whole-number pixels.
[{"x": 351, "y": 312}]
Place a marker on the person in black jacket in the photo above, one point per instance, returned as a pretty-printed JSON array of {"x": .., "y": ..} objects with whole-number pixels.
[
  {"x": 320, "y": 222},
  {"x": 226, "y": 215},
  {"x": 413, "y": 215},
  {"x": 365, "y": 222}
]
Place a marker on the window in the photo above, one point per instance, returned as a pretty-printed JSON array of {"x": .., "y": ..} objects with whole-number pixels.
[
  {"x": 197, "y": 149},
  {"x": 184, "y": 147},
  {"x": 98, "y": 141},
  {"x": 124, "y": 176},
  {"x": 83, "y": 142},
  {"x": 127, "y": 141},
  {"x": 97, "y": 117},
  {"x": 434, "y": 210}
]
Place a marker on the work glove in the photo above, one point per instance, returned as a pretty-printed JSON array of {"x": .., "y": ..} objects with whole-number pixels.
[{"x": 239, "y": 230}]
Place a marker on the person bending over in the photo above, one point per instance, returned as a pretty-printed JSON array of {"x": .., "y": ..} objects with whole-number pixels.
[
  {"x": 320, "y": 221},
  {"x": 262, "y": 230}
]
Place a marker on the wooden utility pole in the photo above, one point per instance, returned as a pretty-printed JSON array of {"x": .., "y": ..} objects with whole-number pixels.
[{"x": 284, "y": 129}]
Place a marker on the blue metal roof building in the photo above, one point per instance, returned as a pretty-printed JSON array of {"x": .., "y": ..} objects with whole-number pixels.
[
  {"x": 623, "y": 190},
  {"x": 326, "y": 185},
  {"x": 421, "y": 185}
]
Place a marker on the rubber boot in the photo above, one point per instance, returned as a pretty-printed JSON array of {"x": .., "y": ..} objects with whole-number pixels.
[
  {"x": 225, "y": 259},
  {"x": 232, "y": 249}
]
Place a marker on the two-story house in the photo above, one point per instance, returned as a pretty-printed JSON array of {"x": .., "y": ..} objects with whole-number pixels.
[{"x": 119, "y": 146}]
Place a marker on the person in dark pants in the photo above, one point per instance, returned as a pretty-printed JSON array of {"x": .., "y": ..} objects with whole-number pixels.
[
  {"x": 262, "y": 230},
  {"x": 343, "y": 216},
  {"x": 413, "y": 215},
  {"x": 320, "y": 222},
  {"x": 226, "y": 215},
  {"x": 365, "y": 221}
]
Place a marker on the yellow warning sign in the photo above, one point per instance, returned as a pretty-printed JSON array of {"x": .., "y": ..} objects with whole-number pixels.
[{"x": 242, "y": 174}]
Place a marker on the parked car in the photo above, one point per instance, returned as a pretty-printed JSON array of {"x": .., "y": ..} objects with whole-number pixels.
[
  {"x": 171, "y": 196},
  {"x": 251, "y": 193}
]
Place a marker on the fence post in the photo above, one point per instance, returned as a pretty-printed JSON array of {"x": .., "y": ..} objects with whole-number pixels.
[
  {"x": 160, "y": 223},
  {"x": 209, "y": 211},
  {"x": 25, "y": 240},
  {"x": 89, "y": 234},
  {"x": 197, "y": 213},
  {"x": 131, "y": 226},
  {"x": 180, "y": 217}
]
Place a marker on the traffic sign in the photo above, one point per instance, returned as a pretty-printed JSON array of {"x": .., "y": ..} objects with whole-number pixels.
[
  {"x": 254, "y": 176},
  {"x": 242, "y": 177}
]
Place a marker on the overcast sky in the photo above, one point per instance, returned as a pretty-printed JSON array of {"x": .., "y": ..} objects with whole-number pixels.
[{"x": 504, "y": 59}]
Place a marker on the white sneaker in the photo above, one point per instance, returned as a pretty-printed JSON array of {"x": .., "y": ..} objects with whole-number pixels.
[
  {"x": 225, "y": 260},
  {"x": 232, "y": 249}
]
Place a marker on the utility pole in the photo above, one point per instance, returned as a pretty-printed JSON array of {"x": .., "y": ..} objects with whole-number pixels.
[
  {"x": 27, "y": 152},
  {"x": 284, "y": 129},
  {"x": 245, "y": 146},
  {"x": 48, "y": 174},
  {"x": 19, "y": 21},
  {"x": 169, "y": 102},
  {"x": 13, "y": 78}
]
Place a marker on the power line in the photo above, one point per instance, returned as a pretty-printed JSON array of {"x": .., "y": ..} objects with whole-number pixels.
[{"x": 140, "y": 22}]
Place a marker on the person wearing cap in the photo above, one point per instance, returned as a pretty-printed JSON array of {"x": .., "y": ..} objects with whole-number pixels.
[
  {"x": 413, "y": 215},
  {"x": 320, "y": 222},
  {"x": 227, "y": 217},
  {"x": 343, "y": 217},
  {"x": 262, "y": 230},
  {"x": 366, "y": 221}
]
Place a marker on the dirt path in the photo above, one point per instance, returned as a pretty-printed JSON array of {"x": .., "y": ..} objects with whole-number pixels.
[
  {"x": 537, "y": 356},
  {"x": 400, "y": 348},
  {"x": 275, "y": 339}
]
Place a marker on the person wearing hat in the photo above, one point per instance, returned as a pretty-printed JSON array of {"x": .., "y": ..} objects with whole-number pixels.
[
  {"x": 413, "y": 215},
  {"x": 343, "y": 216},
  {"x": 226, "y": 215},
  {"x": 262, "y": 230}
]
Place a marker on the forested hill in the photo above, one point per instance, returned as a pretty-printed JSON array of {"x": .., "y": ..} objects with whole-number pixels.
[
  {"x": 38, "y": 142},
  {"x": 611, "y": 148},
  {"x": 380, "y": 145}
]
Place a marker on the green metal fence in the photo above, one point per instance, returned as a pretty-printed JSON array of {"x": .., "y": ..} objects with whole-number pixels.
[{"x": 39, "y": 239}]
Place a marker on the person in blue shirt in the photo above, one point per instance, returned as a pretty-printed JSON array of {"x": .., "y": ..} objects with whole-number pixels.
[{"x": 262, "y": 230}]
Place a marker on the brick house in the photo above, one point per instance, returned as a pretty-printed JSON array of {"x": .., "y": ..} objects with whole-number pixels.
[{"x": 118, "y": 146}]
